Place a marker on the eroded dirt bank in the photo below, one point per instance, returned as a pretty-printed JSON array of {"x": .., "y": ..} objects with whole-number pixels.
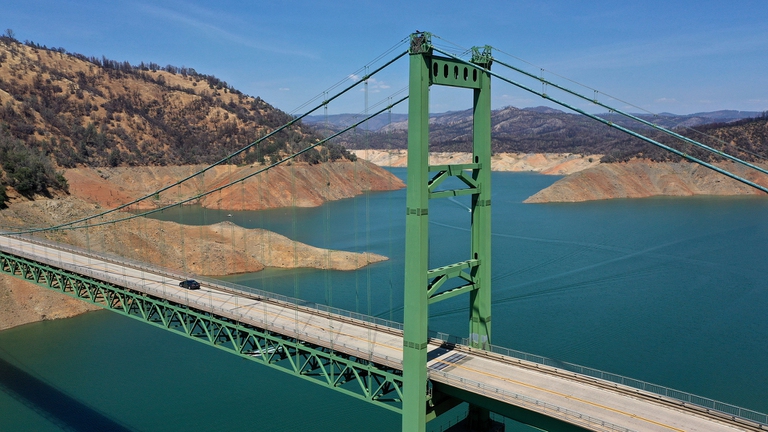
[
  {"x": 640, "y": 179},
  {"x": 23, "y": 302},
  {"x": 298, "y": 185}
]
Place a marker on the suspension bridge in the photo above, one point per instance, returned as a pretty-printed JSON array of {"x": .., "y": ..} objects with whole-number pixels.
[{"x": 400, "y": 367}]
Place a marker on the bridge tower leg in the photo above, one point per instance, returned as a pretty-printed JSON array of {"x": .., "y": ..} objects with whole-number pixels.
[
  {"x": 422, "y": 285},
  {"x": 416, "y": 242},
  {"x": 480, "y": 299}
]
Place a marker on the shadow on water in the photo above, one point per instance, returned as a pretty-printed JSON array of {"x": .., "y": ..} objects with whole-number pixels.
[{"x": 56, "y": 406}]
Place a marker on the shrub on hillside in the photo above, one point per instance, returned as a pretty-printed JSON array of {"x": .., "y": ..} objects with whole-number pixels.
[{"x": 27, "y": 170}]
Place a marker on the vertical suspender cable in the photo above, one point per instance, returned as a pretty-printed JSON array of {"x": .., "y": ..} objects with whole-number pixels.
[
  {"x": 183, "y": 249},
  {"x": 201, "y": 223},
  {"x": 389, "y": 214},
  {"x": 367, "y": 231},
  {"x": 294, "y": 238},
  {"x": 328, "y": 166}
]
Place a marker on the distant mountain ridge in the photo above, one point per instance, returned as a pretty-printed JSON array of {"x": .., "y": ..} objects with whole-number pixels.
[
  {"x": 547, "y": 130},
  {"x": 340, "y": 121}
]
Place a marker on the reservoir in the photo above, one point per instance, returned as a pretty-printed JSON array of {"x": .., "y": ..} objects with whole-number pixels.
[{"x": 666, "y": 290}]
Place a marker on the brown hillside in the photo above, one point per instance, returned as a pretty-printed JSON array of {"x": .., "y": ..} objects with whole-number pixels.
[{"x": 98, "y": 112}]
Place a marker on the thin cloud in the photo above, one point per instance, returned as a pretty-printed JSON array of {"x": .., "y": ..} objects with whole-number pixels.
[
  {"x": 216, "y": 31},
  {"x": 374, "y": 85},
  {"x": 659, "y": 51}
]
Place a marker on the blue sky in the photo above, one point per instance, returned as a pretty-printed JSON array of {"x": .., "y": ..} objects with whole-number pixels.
[{"x": 660, "y": 56}]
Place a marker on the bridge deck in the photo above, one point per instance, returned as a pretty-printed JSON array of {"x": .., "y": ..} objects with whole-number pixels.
[{"x": 582, "y": 400}]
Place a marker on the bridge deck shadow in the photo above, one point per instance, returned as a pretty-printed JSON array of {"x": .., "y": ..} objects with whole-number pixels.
[
  {"x": 53, "y": 404},
  {"x": 437, "y": 352}
]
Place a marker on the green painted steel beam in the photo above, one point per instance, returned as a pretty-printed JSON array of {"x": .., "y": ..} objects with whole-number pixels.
[
  {"x": 453, "y": 292},
  {"x": 348, "y": 374},
  {"x": 453, "y": 270},
  {"x": 458, "y": 171},
  {"x": 455, "y": 168},
  {"x": 452, "y": 193},
  {"x": 480, "y": 299},
  {"x": 449, "y": 72}
]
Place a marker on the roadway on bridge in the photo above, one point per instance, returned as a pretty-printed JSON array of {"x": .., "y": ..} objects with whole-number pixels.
[{"x": 554, "y": 393}]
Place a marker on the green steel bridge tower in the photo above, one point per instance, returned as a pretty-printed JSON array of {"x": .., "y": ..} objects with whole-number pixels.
[{"x": 424, "y": 286}]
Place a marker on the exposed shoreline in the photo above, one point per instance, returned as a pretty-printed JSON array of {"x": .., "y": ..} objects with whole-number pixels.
[
  {"x": 586, "y": 179},
  {"x": 544, "y": 163}
]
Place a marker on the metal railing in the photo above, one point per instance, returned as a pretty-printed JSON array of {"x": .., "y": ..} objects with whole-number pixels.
[
  {"x": 571, "y": 416},
  {"x": 669, "y": 393}
]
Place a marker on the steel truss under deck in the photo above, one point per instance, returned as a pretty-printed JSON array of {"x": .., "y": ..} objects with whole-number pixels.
[{"x": 354, "y": 376}]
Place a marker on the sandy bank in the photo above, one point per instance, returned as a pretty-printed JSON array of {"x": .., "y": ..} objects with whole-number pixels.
[{"x": 545, "y": 163}]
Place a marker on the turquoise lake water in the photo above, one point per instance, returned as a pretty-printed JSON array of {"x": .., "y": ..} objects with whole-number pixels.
[{"x": 667, "y": 290}]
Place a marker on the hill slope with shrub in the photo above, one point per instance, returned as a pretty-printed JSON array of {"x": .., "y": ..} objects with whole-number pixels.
[{"x": 66, "y": 110}]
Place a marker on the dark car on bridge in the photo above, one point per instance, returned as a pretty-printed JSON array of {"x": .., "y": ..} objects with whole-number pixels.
[{"x": 190, "y": 284}]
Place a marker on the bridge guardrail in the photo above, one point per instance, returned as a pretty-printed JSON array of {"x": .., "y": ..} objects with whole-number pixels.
[
  {"x": 690, "y": 398},
  {"x": 678, "y": 395},
  {"x": 638, "y": 384},
  {"x": 573, "y": 416},
  {"x": 105, "y": 276}
]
